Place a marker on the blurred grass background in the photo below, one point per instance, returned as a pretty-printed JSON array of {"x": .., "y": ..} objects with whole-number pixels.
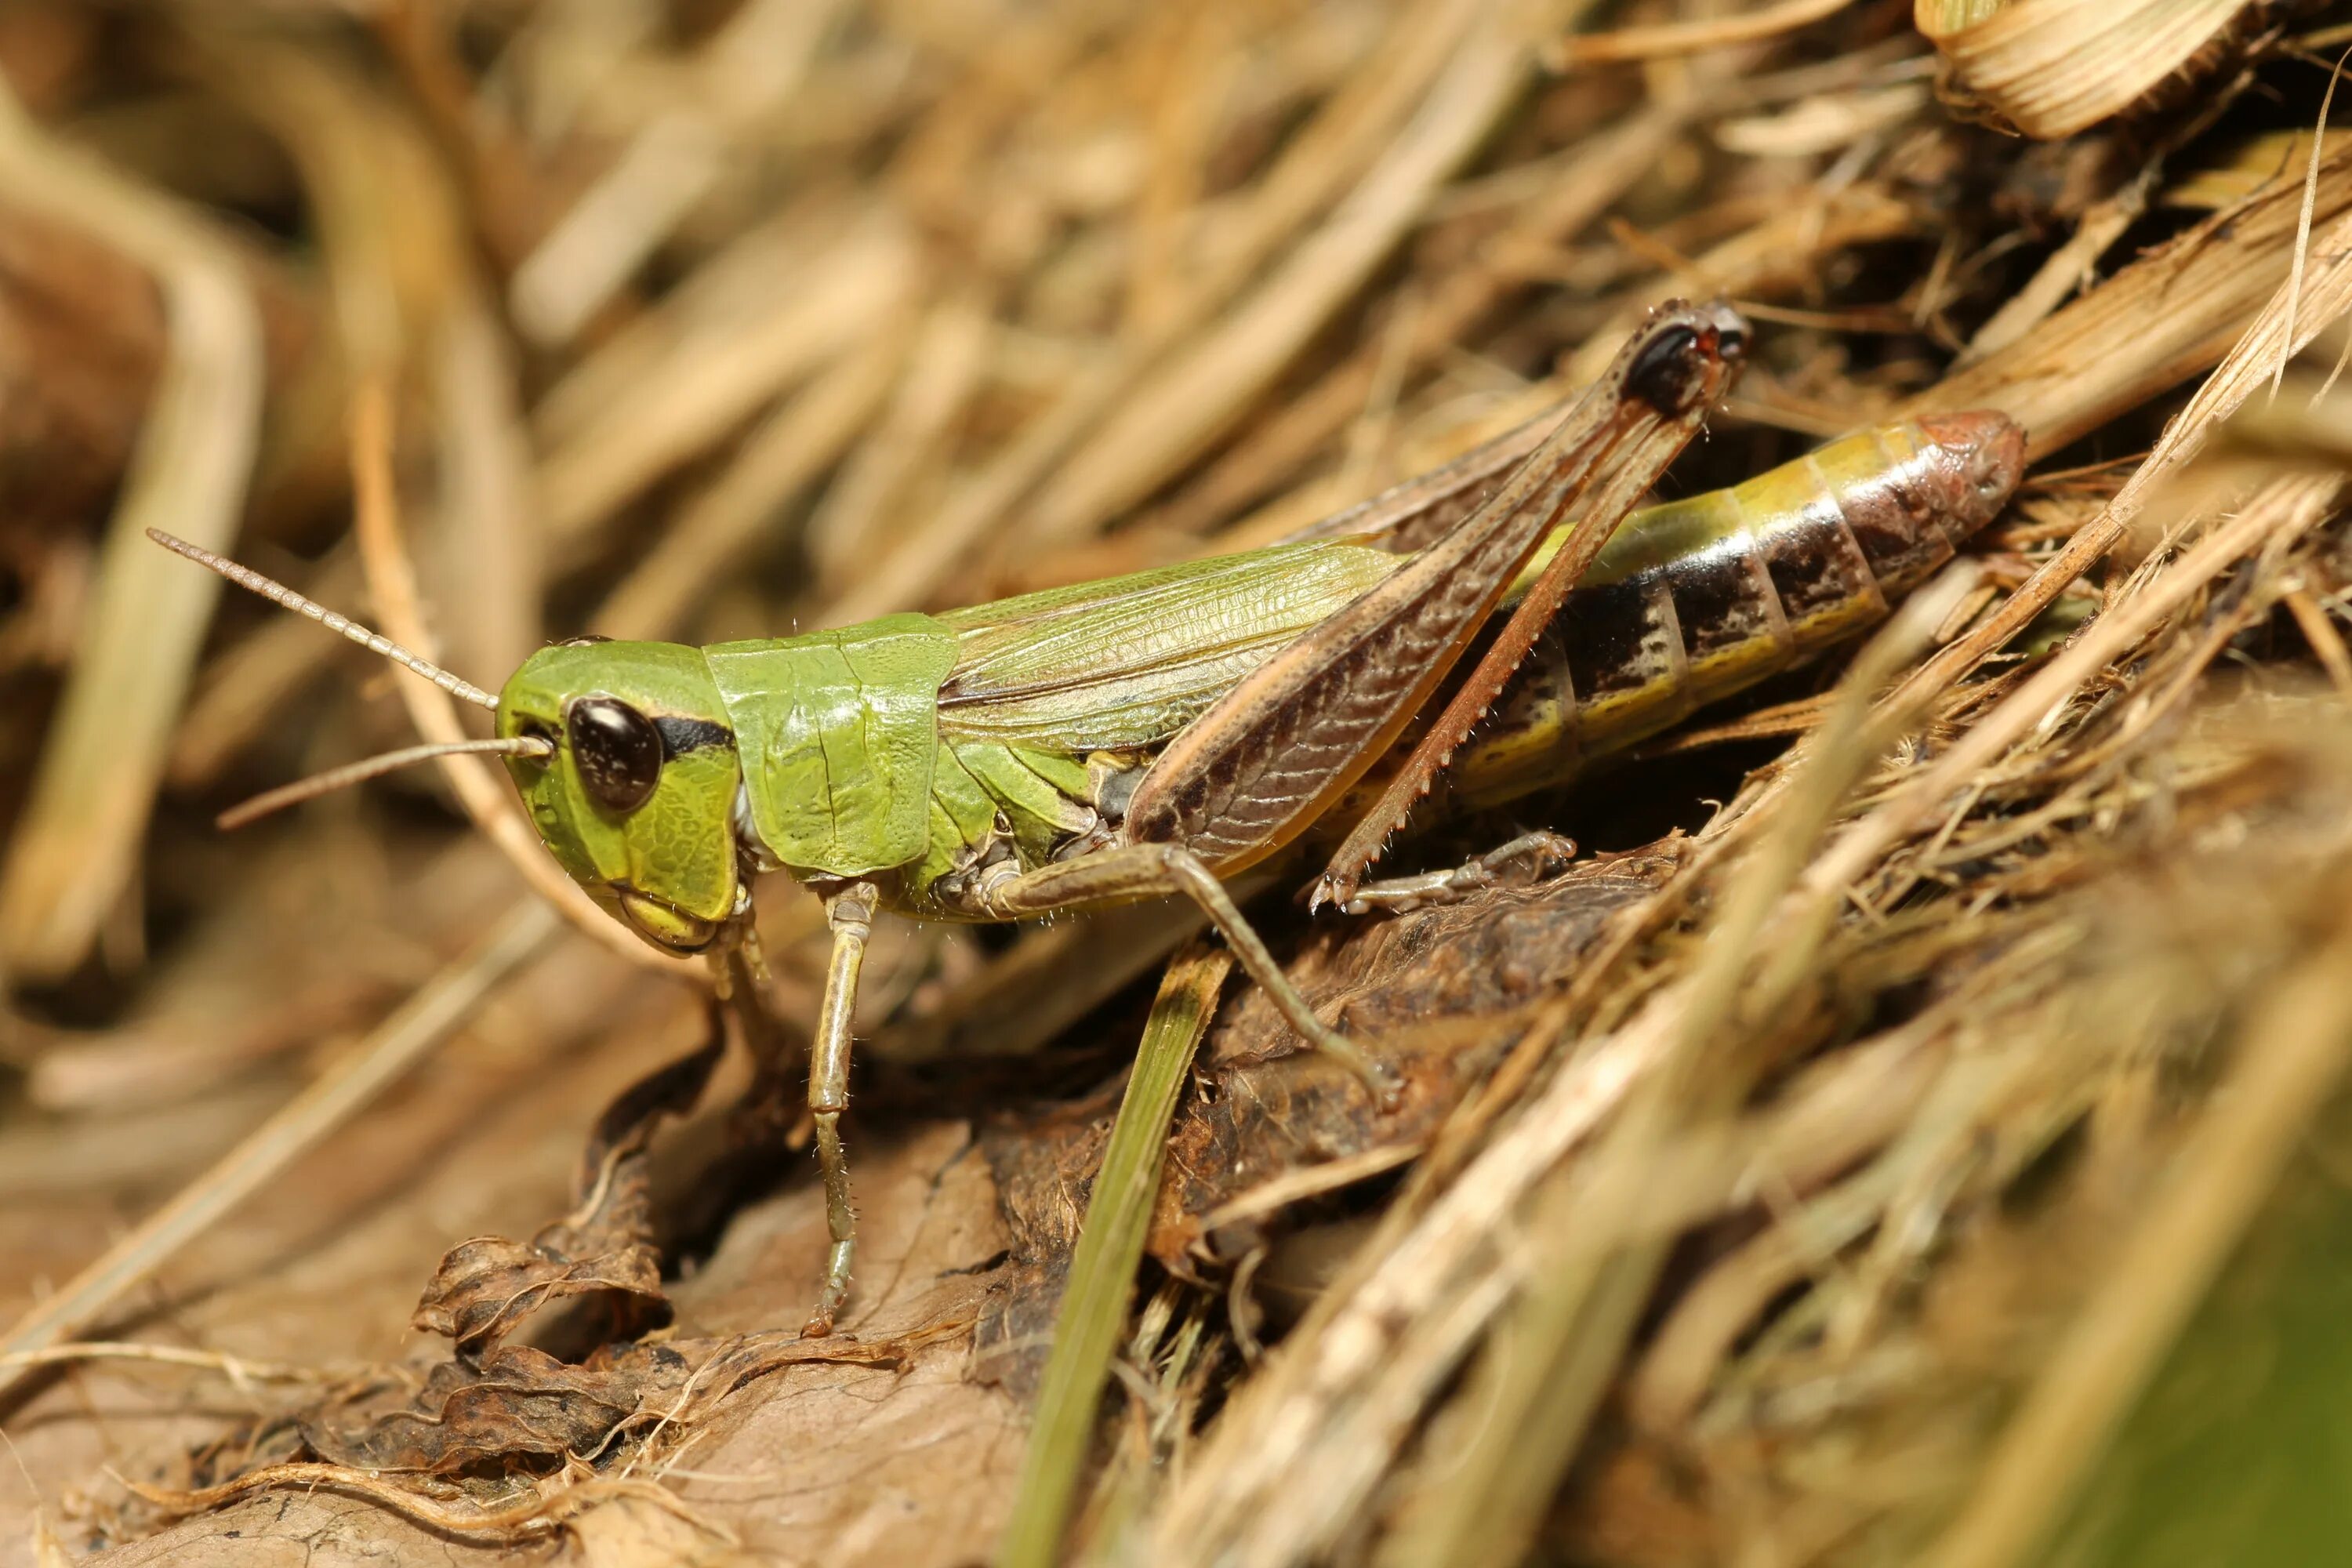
[{"x": 725, "y": 318}]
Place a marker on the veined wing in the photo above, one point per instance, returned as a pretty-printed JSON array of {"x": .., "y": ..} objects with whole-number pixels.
[
  {"x": 1127, "y": 661},
  {"x": 1294, "y": 734}
]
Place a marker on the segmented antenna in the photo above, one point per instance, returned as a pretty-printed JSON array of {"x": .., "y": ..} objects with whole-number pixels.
[
  {"x": 367, "y": 768},
  {"x": 280, "y": 594}
]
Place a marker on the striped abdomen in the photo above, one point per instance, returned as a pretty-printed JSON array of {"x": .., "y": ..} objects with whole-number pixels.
[{"x": 1696, "y": 599}]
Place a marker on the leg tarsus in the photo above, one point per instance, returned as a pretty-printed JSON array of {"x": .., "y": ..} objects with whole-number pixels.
[{"x": 1525, "y": 859}]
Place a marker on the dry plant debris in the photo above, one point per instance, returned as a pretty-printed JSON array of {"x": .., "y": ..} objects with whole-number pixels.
[{"x": 1917, "y": 1136}]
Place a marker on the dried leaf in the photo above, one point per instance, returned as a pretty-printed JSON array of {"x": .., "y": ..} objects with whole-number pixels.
[
  {"x": 485, "y": 1288},
  {"x": 1422, "y": 993},
  {"x": 523, "y": 1404},
  {"x": 2051, "y": 68}
]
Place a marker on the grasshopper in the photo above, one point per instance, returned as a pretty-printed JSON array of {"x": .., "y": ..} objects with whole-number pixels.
[{"x": 1144, "y": 736}]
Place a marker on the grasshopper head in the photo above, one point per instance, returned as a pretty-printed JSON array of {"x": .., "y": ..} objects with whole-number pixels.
[
  {"x": 622, "y": 751},
  {"x": 636, "y": 798}
]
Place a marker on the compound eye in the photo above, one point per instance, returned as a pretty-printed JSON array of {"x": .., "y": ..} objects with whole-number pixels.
[{"x": 617, "y": 750}]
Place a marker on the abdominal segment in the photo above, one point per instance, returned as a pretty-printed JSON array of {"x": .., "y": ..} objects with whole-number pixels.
[{"x": 1696, "y": 599}]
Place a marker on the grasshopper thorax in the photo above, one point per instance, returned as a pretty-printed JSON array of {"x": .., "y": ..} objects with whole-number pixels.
[{"x": 636, "y": 798}]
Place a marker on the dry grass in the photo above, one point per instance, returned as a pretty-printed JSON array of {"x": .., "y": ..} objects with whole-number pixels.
[{"x": 1923, "y": 1145}]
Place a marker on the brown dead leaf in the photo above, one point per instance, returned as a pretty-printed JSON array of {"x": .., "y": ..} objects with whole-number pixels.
[
  {"x": 1422, "y": 993},
  {"x": 487, "y": 1287},
  {"x": 760, "y": 1442},
  {"x": 1425, "y": 992},
  {"x": 907, "y": 1465},
  {"x": 332, "y": 1529},
  {"x": 521, "y": 1404},
  {"x": 1044, "y": 1171}
]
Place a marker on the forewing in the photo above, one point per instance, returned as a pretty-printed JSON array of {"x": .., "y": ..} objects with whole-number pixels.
[
  {"x": 1256, "y": 768},
  {"x": 1126, "y": 662}
]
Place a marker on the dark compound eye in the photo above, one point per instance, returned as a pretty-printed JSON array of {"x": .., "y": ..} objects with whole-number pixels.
[
  {"x": 617, "y": 750},
  {"x": 1660, "y": 375},
  {"x": 1731, "y": 343}
]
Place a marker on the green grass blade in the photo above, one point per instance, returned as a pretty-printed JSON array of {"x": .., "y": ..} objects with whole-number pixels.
[{"x": 1102, "y": 1270}]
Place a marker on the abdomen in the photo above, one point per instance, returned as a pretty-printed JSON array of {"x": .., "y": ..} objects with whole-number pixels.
[{"x": 1694, "y": 599}]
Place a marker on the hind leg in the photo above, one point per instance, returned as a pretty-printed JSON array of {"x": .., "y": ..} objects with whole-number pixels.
[{"x": 1149, "y": 870}]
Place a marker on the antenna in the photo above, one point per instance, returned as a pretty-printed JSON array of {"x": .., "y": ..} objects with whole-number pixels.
[
  {"x": 280, "y": 594},
  {"x": 367, "y": 768}
]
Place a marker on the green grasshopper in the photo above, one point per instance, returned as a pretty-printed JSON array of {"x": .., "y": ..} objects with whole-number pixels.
[{"x": 1144, "y": 736}]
